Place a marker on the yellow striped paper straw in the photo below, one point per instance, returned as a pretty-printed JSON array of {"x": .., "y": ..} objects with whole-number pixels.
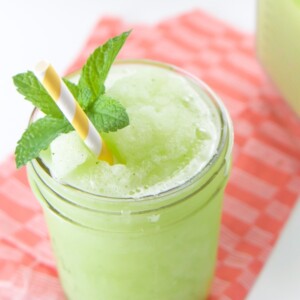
[{"x": 72, "y": 110}]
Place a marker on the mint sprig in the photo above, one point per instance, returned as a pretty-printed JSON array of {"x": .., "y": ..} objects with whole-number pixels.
[{"x": 106, "y": 113}]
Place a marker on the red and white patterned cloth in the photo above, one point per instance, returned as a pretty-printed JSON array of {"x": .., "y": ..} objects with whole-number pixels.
[{"x": 265, "y": 179}]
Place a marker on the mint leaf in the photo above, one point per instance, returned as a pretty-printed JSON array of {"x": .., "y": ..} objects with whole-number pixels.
[
  {"x": 108, "y": 114},
  {"x": 72, "y": 87},
  {"x": 84, "y": 97},
  {"x": 98, "y": 64},
  {"x": 28, "y": 85},
  {"x": 38, "y": 136}
]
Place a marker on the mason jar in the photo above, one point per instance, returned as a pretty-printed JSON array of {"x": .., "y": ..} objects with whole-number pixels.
[{"x": 160, "y": 247}]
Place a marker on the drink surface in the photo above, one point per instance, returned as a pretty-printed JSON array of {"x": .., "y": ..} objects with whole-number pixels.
[{"x": 174, "y": 131}]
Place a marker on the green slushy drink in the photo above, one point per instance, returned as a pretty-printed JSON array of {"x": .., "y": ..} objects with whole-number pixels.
[{"x": 147, "y": 226}]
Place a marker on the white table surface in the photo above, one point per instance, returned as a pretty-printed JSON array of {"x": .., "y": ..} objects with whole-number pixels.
[{"x": 56, "y": 30}]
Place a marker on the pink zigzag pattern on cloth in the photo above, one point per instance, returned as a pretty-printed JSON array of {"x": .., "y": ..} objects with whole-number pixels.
[{"x": 266, "y": 170}]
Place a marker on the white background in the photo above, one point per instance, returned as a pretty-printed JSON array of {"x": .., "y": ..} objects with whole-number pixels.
[{"x": 56, "y": 30}]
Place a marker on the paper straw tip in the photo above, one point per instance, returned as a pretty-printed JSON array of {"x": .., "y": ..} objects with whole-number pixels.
[{"x": 41, "y": 66}]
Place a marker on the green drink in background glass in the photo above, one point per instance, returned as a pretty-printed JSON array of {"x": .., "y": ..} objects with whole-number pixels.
[{"x": 148, "y": 226}]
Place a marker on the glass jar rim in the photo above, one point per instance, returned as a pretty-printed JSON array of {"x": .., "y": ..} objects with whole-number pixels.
[{"x": 226, "y": 132}]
